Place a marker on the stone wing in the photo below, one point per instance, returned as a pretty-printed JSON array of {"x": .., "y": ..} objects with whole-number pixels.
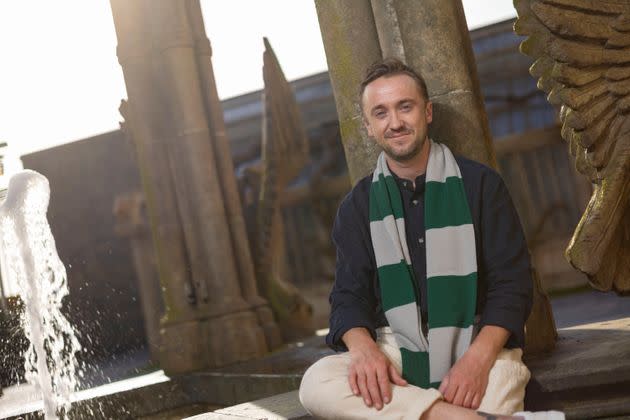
[
  {"x": 284, "y": 143},
  {"x": 285, "y": 153},
  {"x": 582, "y": 53},
  {"x": 581, "y": 50}
]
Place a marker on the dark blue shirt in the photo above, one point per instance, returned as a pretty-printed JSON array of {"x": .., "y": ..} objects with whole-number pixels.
[{"x": 504, "y": 287}]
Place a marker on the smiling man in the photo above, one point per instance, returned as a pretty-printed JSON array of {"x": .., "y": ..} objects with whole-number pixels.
[{"x": 433, "y": 279}]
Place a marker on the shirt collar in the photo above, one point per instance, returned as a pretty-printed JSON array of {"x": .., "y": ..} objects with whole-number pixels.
[{"x": 408, "y": 185}]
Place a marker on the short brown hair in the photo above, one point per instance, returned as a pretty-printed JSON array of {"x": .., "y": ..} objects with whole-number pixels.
[{"x": 391, "y": 67}]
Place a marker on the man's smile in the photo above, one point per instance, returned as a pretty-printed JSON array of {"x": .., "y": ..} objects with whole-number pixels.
[{"x": 398, "y": 135}]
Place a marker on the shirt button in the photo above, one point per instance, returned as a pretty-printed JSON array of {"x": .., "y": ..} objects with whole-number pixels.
[
  {"x": 421, "y": 240},
  {"x": 404, "y": 184},
  {"x": 415, "y": 202}
]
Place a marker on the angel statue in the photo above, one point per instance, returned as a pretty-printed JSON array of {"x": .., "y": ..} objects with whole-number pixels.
[
  {"x": 582, "y": 60},
  {"x": 285, "y": 152}
]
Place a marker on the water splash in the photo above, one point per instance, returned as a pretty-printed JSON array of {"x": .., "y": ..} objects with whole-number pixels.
[{"x": 29, "y": 259}]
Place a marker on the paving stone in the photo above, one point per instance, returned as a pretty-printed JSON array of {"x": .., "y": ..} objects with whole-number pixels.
[{"x": 279, "y": 407}]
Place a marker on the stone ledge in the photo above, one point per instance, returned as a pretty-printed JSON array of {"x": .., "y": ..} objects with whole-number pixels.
[
  {"x": 588, "y": 373},
  {"x": 278, "y": 407}
]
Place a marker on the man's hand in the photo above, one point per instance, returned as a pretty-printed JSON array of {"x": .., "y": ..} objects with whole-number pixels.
[
  {"x": 465, "y": 384},
  {"x": 370, "y": 371}
]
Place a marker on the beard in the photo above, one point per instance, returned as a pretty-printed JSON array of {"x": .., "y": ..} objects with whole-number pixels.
[{"x": 403, "y": 154}]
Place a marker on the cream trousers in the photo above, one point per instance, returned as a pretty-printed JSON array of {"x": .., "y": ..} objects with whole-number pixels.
[{"x": 325, "y": 392}]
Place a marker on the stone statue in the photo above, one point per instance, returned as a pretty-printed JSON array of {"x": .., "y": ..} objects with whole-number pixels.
[
  {"x": 285, "y": 152},
  {"x": 581, "y": 57}
]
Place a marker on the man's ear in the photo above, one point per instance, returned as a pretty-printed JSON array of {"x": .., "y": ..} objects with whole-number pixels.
[
  {"x": 429, "y": 112},
  {"x": 368, "y": 127}
]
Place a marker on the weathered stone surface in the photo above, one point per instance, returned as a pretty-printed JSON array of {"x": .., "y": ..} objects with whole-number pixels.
[
  {"x": 155, "y": 396},
  {"x": 581, "y": 60},
  {"x": 588, "y": 373},
  {"x": 351, "y": 44},
  {"x": 586, "y": 355},
  {"x": 233, "y": 338},
  {"x": 437, "y": 45},
  {"x": 279, "y": 407},
  {"x": 540, "y": 328},
  {"x": 229, "y": 188},
  {"x": 144, "y": 123},
  {"x": 131, "y": 222},
  {"x": 183, "y": 348},
  {"x": 169, "y": 116},
  {"x": 285, "y": 153},
  {"x": 457, "y": 122},
  {"x": 388, "y": 28}
]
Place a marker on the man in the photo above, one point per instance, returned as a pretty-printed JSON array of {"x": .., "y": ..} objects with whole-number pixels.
[{"x": 431, "y": 309}]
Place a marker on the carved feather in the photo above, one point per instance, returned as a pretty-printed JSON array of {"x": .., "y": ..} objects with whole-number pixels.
[
  {"x": 572, "y": 76},
  {"x": 618, "y": 40},
  {"x": 581, "y": 50},
  {"x": 617, "y": 73},
  {"x": 622, "y": 23},
  {"x": 595, "y": 132},
  {"x": 577, "y": 98},
  {"x": 586, "y": 116},
  {"x": 569, "y": 23},
  {"x": 613, "y": 7}
]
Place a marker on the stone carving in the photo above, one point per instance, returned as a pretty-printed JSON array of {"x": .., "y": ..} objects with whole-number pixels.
[
  {"x": 285, "y": 152},
  {"x": 582, "y": 51}
]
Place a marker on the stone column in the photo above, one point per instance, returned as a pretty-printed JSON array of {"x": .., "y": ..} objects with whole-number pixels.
[
  {"x": 145, "y": 119},
  {"x": 131, "y": 223},
  {"x": 207, "y": 321},
  {"x": 227, "y": 180},
  {"x": 351, "y": 44},
  {"x": 431, "y": 37},
  {"x": 436, "y": 43}
]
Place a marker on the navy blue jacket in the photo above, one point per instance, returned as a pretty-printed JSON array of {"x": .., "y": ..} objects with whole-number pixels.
[{"x": 504, "y": 291}]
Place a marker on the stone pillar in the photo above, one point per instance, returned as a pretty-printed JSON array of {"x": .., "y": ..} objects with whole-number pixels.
[
  {"x": 432, "y": 37},
  {"x": 145, "y": 116},
  {"x": 207, "y": 322},
  {"x": 131, "y": 223},
  {"x": 436, "y": 43},
  {"x": 229, "y": 187},
  {"x": 351, "y": 44}
]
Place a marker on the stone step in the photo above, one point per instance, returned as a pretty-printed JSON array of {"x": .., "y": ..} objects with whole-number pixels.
[
  {"x": 278, "y": 407},
  {"x": 588, "y": 373}
]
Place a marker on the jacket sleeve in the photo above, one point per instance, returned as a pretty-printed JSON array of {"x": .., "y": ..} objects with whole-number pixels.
[
  {"x": 506, "y": 263},
  {"x": 352, "y": 298}
]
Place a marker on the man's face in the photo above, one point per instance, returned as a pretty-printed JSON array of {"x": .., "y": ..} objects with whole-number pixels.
[{"x": 397, "y": 116}]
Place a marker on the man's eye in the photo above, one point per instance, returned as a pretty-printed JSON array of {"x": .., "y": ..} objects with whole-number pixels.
[
  {"x": 406, "y": 107},
  {"x": 380, "y": 114}
]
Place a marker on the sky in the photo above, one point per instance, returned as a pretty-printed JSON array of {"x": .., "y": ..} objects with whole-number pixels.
[{"x": 60, "y": 80}]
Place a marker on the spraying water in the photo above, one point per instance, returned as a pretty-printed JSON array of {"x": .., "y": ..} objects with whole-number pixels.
[{"x": 29, "y": 259}]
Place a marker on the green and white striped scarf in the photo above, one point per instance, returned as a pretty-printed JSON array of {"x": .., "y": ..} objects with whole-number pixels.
[{"x": 451, "y": 268}]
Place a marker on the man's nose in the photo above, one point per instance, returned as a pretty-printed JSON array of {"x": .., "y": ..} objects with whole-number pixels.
[{"x": 395, "y": 122}]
